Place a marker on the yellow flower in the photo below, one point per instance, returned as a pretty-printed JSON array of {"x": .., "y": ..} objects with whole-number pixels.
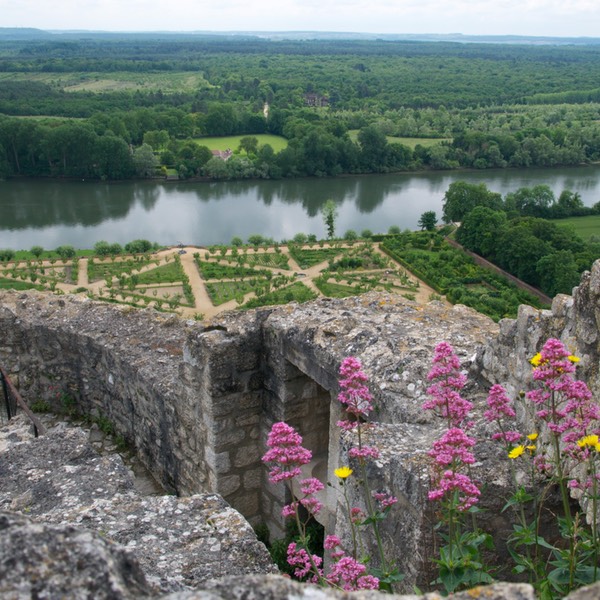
[
  {"x": 536, "y": 361},
  {"x": 516, "y": 452},
  {"x": 589, "y": 440},
  {"x": 532, "y": 437},
  {"x": 343, "y": 472},
  {"x": 530, "y": 448},
  {"x": 574, "y": 359}
]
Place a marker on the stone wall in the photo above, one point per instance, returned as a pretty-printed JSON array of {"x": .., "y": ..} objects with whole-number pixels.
[{"x": 198, "y": 401}]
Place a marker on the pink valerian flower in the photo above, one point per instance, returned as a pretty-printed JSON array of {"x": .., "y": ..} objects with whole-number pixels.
[
  {"x": 499, "y": 405},
  {"x": 453, "y": 447},
  {"x": 499, "y": 409},
  {"x": 364, "y": 452},
  {"x": 289, "y": 510},
  {"x": 331, "y": 542},
  {"x": 350, "y": 575},
  {"x": 357, "y": 516},
  {"x": 346, "y": 572},
  {"x": 447, "y": 383},
  {"x": 286, "y": 452},
  {"x": 354, "y": 393},
  {"x": 565, "y": 404},
  {"x": 308, "y": 487},
  {"x": 450, "y": 482},
  {"x": 298, "y": 557},
  {"x": 510, "y": 437},
  {"x": 384, "y": 499}
]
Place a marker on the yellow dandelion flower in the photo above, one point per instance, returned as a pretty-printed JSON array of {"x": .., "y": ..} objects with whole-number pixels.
[
  {"x": 531, "y": 448},
  {"x": 343, "y": 472},
  {"x": 574, "y": 359},
  {"x": 532, "y": 437},
  {"x": 589, "y": 440},
  {"x": 516, "y": 452},
  {"x": 536, "y": 361}
]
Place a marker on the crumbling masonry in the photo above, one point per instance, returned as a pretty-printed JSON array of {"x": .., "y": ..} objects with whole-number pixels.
[{"x": 197, "y": 401}]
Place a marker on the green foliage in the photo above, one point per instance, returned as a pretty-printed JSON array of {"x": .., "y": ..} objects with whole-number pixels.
[
  {"x": 461, "y": 198},
  {"x": 428, "y": 220},
  {"x": 7, "y": 254},
  {"x": 452, "y": 273},
  {"x": 296, "y": 292},
  {"x": 535, "y": 250},
  {"x": 214, "y": 270},
  {"x": 330, "y": 214},
  {"x": 40, "y": 406},
  {"x": 65, "y": 252},
  {"x": 460, "y": 565},
  {"x": 306, "y": 257},
  {"x": 334, "y": 290},
  {"x": 139, "y": 246}
]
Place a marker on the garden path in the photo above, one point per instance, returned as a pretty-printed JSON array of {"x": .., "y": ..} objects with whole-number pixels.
[{"x": 203, "y": 305}]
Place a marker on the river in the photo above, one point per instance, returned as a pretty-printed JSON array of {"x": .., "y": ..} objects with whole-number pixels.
[{"x": 52, "y": 213}]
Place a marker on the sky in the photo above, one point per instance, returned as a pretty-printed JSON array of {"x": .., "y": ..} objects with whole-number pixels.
[{"x": 561, "y": 18}]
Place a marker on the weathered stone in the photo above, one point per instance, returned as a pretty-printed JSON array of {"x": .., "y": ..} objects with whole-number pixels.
[
  {"x": 179, "y": 542},
  {"x": 168, "y": 386},
  {"x": 589, "y": 592},
  {"x": 271, "y": 587},
  {"x": 61, "y": 561}
]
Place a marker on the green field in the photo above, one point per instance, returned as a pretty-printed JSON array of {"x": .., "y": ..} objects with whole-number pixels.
[
  {"x": 167, "y": 82},
  {"x": 411, "y": 142},
  {"x": 233, "y": 141},
  {"x": 585, "y": 227}
]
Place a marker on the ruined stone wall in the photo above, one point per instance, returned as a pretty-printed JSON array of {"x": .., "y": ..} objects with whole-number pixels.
[{"x": 197, "y": 402}]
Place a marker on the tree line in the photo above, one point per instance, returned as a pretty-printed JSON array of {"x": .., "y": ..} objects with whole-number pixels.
[{"x": 516, "y": 233}]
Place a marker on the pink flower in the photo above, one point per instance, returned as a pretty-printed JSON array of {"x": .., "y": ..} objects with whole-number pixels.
[
  {"x": 356, "y": 515},
  {"x": 331, "y": 542},
  {"x": 499, "y": 405},
  {"x": 298, "y": 557},
  {"x": 364, "y": 452},
  {"x": 286, "y": 452},
  {"x": 354, "y": 393},
  {"x": 453, "y": 446},
  {"x": 349, "y": 574},
  {"x": 447, "y": 383},
  {"x": 384, "y": 500},
  {"x": 565, "y": 404},
  {"x": 450, "y": 482}
]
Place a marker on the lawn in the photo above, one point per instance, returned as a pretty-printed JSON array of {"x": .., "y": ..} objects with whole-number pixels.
[
  {"x": 108, "y": 268},
  {"x": 296, "y": 292},
  {"x": 233, "y": 141},
  {"x": 411, "y": 142},
  {"x": 224, "y": 291},
  {"x": 585, "y": 227},
  {"x": 334, "y": 290},
  {"x": 308, "y": 258},
  {"x": 214, "y": 270},
  {"x": 11, "y": 284}
]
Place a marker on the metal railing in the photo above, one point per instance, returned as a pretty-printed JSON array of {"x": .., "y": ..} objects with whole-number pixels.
[{"x": 14, "y": 403}]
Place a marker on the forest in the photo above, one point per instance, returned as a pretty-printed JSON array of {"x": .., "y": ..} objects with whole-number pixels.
[{"x": 115, "y": 107}]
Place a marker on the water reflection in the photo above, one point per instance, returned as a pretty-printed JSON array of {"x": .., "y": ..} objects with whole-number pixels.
[{"x": 82, "y": 213}]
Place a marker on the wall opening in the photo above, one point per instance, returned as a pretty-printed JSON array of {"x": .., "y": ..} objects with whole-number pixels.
[{"x": 305, "y": 405}]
